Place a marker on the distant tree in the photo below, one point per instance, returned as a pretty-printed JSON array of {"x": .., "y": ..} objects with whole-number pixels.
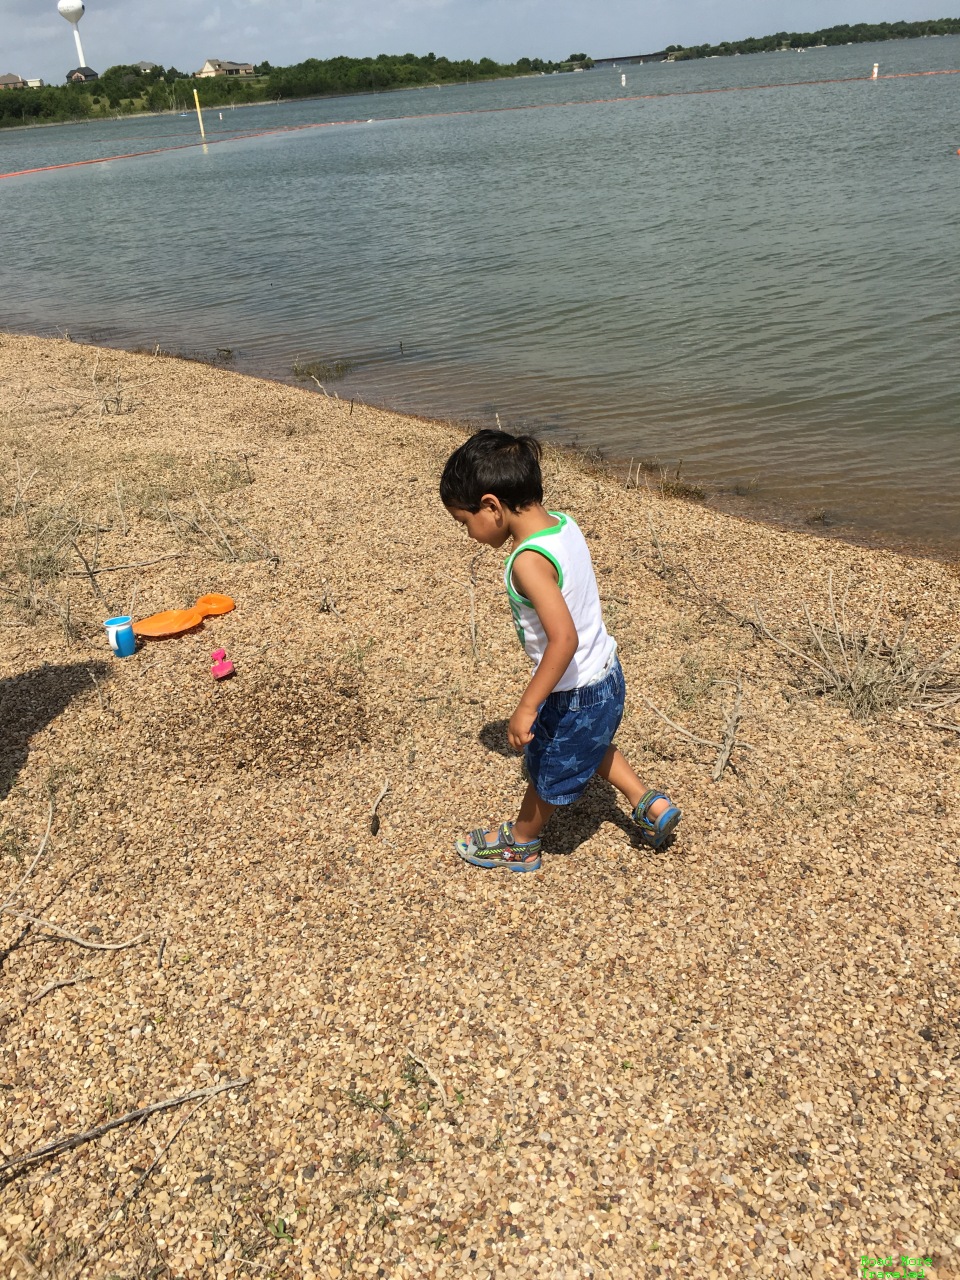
[{"x": 262, "y": 68}]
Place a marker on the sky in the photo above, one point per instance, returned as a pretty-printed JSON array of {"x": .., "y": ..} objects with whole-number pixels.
[{"x": 36, "y": 42}]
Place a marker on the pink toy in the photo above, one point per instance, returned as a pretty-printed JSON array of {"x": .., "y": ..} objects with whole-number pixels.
[{"x": 222, "y": 666}]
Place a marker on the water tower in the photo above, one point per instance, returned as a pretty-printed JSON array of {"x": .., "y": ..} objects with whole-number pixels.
[{"x": 73, "y": 11}]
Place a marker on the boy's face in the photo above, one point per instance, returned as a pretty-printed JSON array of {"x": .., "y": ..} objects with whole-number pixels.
[{"x": 487, "y": 526}]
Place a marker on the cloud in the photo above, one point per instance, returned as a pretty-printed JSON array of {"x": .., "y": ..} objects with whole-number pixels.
[{"x": 212, "y": 21}]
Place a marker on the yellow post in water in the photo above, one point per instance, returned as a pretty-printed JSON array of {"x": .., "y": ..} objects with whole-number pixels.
[{"x": 196, "y": 98}]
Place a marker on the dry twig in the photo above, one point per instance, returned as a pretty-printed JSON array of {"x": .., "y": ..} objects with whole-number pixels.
[
  {"x": 55, "y": 986},
  {"x": 96, "y": 685},
  {"x": 72, "y": 937},
  {"x": 730, "y": 734},
  {"x": 704, "y": 742},
  {"x": 22, "y": 487},
  {"x": 116, "y": 1214},
  {"x": 374, "y": 818},
  {"x": 90, "y": 570},
  {"x": 471, "y": 589},
  {"x": 118, "y": 568},
  {"x": 29, "y": 871},
  {"x": 431, "y": 1073},
  {"x": 29, "y": 1159}
]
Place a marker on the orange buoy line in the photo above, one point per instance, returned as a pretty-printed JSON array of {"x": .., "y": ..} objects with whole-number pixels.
[{"x": 437, "y": 115}]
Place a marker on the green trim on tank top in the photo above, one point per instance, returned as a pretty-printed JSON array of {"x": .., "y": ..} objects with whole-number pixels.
[{"x": 528, "y": 545}]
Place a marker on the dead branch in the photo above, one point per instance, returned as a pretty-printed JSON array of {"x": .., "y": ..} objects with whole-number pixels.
[
  {"x": 374, "y": 818},
  {"x": 729, "y": 735},
  {"x": 117, "y": 568},
  {"x": 704, "y": 742},
  {"x": 123, "y": 518},
  {"x": 210, "y": 516},
  {"x": 55, "y": 986},
  {"x": 30, "y": 1159},
  {"x": 91, "y": 574},
  {"x": 96, "y": 685},
  {"x": 270, "y": 554},
  {"x": 37, "y": 856},
  {"x": 72, "y": 937},
  {"x": 115, "y": 1215},
  {"x": 473, "y": 603},
  {"x": 665, "y": 569},
  {"x": 797, "y": 653},
  {"x": 432, "y": 1074},
  {"x": 22, "y": 487},
  {"x": 471, "y": 589}
]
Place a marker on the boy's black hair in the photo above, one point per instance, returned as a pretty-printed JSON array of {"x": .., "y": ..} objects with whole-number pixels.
[{"x": 493, "y": 462}]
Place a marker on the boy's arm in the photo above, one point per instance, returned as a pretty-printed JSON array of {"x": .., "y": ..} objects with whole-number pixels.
[{"x": 536, "y": 578}]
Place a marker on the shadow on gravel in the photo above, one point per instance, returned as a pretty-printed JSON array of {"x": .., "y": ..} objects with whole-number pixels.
[
  {"x": 573, "y": 824},
  {"x": 28, "y": 703}
]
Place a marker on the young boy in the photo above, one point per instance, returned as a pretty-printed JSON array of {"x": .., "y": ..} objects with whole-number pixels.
[{"x": 571, "y": 709}]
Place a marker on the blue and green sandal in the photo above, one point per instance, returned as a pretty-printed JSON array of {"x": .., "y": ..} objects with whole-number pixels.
[
  {"x": 655, "y": 832},
  {"x": 510, "y": 854}
]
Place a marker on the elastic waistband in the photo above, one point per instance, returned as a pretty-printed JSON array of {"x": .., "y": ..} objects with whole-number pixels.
[{"x": 592, "y": 694}]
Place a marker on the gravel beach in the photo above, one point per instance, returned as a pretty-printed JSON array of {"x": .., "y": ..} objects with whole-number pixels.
[{"x": 734, "y": 1057}]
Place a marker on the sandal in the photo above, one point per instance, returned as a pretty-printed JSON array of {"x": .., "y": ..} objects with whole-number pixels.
[
  {"x": 505, "y": 852},
  {"x": 655, "y": 832}
]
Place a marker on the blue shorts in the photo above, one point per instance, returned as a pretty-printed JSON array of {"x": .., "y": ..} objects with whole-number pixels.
[{"x": 571, "y": 734}]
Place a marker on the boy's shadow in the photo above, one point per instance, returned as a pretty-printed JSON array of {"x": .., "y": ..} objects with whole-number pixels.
[
  {"x": 571, "y": 825},
  {"x": 29, "y": 701}
]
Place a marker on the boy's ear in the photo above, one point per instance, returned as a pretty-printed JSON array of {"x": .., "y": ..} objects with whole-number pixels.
[{"x": 491, "y": 502}]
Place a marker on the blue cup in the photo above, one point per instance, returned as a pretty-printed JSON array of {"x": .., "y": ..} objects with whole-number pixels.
[{"x": 120, "y": 634}]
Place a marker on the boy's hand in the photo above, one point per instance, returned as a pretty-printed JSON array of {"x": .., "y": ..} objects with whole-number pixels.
[{"x": 520, "y": 727}]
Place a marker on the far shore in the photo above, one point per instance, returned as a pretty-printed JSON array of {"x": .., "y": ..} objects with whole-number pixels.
[{"x": 266, "y": 102}]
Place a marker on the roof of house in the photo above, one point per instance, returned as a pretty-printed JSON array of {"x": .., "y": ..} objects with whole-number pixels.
[
  {"x": 147, "y": 66},
  {"x": 88, "y": 73},
  {"x": 12, "y": 78},
  {"x": 221, "y": 62}
]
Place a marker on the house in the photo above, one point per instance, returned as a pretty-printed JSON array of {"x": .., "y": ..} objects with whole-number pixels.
[
  {"x": 146, "y": 66},
  {"x": 217, "y": 67},
  {"x": 81, "y": 75},
  {"x": 11, "y": 81},
  {"x": 34, "y": 84}
]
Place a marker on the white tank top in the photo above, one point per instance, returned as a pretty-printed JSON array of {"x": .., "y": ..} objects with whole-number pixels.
[{"x": 566, "y": 548}]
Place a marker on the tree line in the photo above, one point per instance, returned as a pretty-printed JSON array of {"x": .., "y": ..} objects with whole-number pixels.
[
  {"x": 857, "y": 33},
  {"x": 128, "y": 90}
]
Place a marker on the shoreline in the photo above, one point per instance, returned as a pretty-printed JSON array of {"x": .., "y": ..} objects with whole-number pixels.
[
  {"x": 774, "y": 513},
  {"x": 264, "y": 102},
  {"x": 426, "y": 1069}
]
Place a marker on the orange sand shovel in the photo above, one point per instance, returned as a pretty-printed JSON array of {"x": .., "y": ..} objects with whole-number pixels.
[{"x": 173, "y": 622}]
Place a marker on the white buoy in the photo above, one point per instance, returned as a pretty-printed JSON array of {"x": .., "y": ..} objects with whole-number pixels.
[
  {"x": 73, "y": 11},
  {"x": 623, "y": 81},
  {"x": 876, "y": 68}
]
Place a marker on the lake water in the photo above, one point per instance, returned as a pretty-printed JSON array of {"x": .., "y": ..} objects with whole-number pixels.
[{"x": 762, "y": 284}]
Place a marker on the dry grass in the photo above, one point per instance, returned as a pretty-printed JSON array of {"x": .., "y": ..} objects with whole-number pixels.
[
  {"x": 737, "y": 1057},
  {"x": 873, "y": 668}
]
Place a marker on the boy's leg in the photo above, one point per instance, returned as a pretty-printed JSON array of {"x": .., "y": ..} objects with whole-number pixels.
[
  {"x": 533, "y": 816},
  {"x": 615, "y": 770}
]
